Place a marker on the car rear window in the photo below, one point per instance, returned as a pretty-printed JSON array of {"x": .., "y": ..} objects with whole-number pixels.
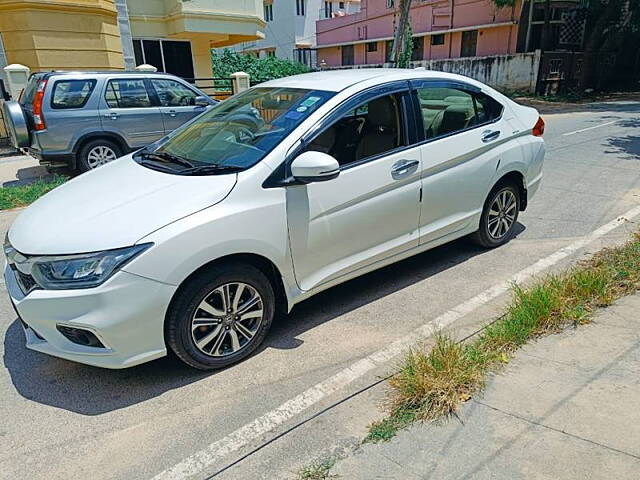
[
  {"x": 30, "y": 90},
  {"x": 71, "y": 93}
]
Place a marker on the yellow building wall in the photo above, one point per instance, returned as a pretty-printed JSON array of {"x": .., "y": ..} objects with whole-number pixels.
[{"x": 61, "y": 34}]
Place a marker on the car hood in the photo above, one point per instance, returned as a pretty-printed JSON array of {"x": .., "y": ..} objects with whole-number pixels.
[{"x": 112, "y": 207}]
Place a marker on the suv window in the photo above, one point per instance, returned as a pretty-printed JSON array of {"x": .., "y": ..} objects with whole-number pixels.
[
  {"x": 172, "y": 93},
  {"x": 372, "y": 128},
  {"x": 71, "y": 93},
  {"x": 30, "y": 90},
  {"x": 127, "y": 93},
  {"x": 448, "y": 110}
]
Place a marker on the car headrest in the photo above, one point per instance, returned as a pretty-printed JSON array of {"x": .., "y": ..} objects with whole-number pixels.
[{"x": 382, "y": 112}]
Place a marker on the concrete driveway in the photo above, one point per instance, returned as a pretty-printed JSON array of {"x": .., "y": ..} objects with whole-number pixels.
[{"x": 62, "y": 420}]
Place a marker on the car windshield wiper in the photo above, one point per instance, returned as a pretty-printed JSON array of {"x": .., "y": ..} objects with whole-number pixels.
[
  {"x": 167, "y": 157},
  {"x": 205, "y": 169}
]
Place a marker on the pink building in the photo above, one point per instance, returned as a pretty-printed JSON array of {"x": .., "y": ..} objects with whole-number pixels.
[{"x": 441, "y": 29}]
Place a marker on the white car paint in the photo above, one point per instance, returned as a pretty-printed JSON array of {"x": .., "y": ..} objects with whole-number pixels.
[{"x": 316, "y": 235}]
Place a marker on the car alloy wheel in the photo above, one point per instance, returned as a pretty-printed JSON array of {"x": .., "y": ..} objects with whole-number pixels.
[
  {"x": 502, "y": 214},
  {"x": 227, "y": 319},
  {"x": 100, "y": 155}
]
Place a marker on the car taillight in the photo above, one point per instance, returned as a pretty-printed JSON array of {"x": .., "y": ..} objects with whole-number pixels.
[
  {"x": 538, "y": 128},
  {"x": 38, "y": 118}
]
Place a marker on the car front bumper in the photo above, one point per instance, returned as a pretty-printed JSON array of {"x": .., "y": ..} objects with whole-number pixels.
[{"x": 126, "y": 314}]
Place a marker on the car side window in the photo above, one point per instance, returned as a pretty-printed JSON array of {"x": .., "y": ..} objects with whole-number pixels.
[
  {"x": 370, "y": 129},
  {"x": 445, "y": 110},
  {"x": 71, "y": 93},
  {"x": 448, "y": 110},
  {"x": 127, "y": 93},
  {"x": 172, "y": 93}
]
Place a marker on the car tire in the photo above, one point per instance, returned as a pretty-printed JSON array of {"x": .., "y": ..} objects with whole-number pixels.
[
  {"x": 96, "y": 153},
  {"x": 499, "y": 216},
  {"x": 209, "y": 327}
]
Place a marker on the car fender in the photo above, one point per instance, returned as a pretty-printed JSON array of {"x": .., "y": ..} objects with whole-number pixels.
[{"x": 227, "y": 228}]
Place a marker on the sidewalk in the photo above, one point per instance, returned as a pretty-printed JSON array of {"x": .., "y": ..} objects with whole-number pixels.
[
  {"x": 20, "y": 170},
  {"x": 567, "y": 406}
]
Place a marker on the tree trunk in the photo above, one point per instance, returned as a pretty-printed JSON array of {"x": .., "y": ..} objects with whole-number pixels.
[{"x": 399, "y": 38}]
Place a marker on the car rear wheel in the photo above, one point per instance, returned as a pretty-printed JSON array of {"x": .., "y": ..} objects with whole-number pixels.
[
  {"x": 499, "y": 216},
  {"x": 220, "y": 316},
  {"x": 96, "y": 153}
]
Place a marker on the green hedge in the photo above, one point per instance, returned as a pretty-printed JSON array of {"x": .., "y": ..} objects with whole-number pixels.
[{"x": 260, "y": 69}]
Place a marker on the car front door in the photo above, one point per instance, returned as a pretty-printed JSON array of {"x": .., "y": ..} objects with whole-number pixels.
[
  {"x": 370, "y": 211},
  {"x": 177, "y": 102},
  {"x": 464, "y": 136},
  {"x": 128, "y": 110}
]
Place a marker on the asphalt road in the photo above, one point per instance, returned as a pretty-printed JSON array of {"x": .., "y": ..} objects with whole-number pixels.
[{"x": 60, "y": 420}]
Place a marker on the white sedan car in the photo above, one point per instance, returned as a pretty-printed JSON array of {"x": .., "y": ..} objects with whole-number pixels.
[{"x": 198, "y": 241}]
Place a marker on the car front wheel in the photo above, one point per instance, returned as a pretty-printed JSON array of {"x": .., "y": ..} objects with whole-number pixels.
[
  {"x": 220, "y": 316},
  {"x": 499, "y": 216}
]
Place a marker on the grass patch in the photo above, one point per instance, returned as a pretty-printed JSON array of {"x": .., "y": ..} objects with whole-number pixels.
[
  {"x": 317, "y": 471},
  {"x": 22, "y": 195},
  {"x": 432, "y": 384}
]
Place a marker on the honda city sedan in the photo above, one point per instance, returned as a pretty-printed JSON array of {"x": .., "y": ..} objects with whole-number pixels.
[{"x": 195, "y": 243}]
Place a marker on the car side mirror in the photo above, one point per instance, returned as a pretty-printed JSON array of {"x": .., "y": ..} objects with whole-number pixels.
[
  {"x": 202, "y": 101},
  {"x": 312, "y": 166}
]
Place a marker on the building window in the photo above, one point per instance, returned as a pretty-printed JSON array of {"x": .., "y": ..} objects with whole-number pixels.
[
  {"x": 372, "y": 47},
  {"x": 171, "y": 56},
  {"x": 268, "y": 13},
  {"x": 347, "y": 55},
  {"x": 271, "y": 53},
  {"x": 437, "y": 39},
  {"x": 418, "y": 49},
  {"x": 341, "y": 5},
  {"x": 328, "y": 9},
  {"x": 469, "y": 43},
  {"x": 300, "y": 7},
  {"x": 390, "y": 3},
  {"x": 388, "y": 51},
  {"x": 306, "y": 56}
]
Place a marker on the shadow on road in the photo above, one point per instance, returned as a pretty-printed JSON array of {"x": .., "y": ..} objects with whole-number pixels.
[
  {"x": 93, "y": 391},
  {"x": 628, "y": 146}
]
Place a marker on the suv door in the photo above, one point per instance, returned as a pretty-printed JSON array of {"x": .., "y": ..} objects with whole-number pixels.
[
  {"x": 464, "y": 136},
  {"x": 177, "y": 102},
  {"x": 370, "y": 211},
  {"x": 128, "y": 110}
]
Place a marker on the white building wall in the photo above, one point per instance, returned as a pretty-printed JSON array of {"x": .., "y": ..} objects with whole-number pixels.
[{"x": 288, "y": 30}]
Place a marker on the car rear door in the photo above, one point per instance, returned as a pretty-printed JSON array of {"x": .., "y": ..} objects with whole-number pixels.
[
  {"x": 128, "y": 109},
  {"x": 177, "y": 102},
  {"x": 464, "y": 137}
]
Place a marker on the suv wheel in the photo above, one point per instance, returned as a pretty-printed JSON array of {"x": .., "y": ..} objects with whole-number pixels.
[
  {"x": 220, "y": 316},
  {"x": 499, "y": 216},
  {"x": 96, "y": 153}
]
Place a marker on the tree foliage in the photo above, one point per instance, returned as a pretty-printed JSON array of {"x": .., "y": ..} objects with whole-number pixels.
[
  {"x": 260, "y": 69},
  {"x": 504, "y": 3}
]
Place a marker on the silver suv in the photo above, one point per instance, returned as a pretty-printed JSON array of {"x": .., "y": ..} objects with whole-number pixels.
[{"x": 86, "y": 119}]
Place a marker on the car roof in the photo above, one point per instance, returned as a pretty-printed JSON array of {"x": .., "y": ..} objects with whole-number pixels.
[
  {"x": 101, "y": 72},
  {"x": 337, "y": 80}
]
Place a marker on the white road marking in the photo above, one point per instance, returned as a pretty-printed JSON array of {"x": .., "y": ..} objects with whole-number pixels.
[
  {"x": 218, "y": 450},
  {"x": 589, "y": 128}
]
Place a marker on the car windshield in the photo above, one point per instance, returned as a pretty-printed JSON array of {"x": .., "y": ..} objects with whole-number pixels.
[{"x": 234, "y": 135}]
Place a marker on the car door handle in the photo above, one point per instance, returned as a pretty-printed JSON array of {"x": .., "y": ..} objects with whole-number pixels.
[
  {"x": 489, "y": 135},
  {"x": 112, "y": 115},
  {"x": 172, "y": 113},
  {"x": 403, "y": 168}
]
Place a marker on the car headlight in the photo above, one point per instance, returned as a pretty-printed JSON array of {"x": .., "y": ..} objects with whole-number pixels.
[{"x": 82, "y": 271}]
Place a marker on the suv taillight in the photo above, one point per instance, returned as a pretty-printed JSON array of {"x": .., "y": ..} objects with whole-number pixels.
[
  {"x": 38, "y": 118},
  {"x": 538, "y": 128}
]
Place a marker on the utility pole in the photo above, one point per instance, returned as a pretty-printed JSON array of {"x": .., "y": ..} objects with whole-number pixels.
[{"x": 400, "y": 35}]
